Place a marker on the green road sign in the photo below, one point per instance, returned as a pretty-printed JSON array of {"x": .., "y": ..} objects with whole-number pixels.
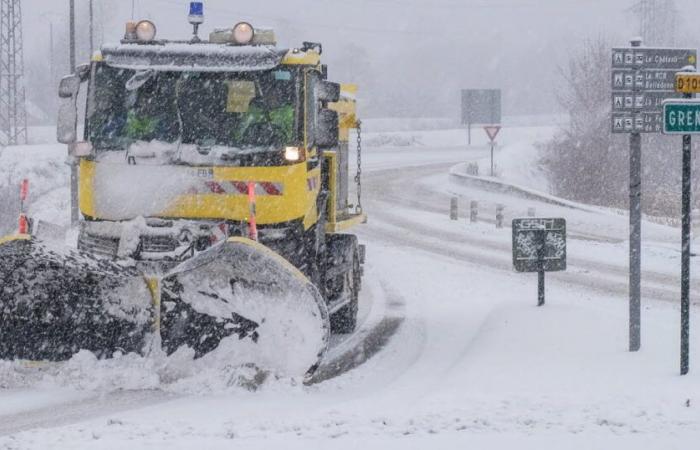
[{"x": 682, "y": 116}]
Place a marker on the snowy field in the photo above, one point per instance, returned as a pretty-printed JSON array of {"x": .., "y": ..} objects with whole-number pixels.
[{"x": 452, "y": 351}]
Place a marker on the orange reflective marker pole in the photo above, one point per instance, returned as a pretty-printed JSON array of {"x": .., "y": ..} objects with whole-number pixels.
[
  {"x": 252, "y": 223},
  {"x": 23, "y": 224},
  {"x": 23, "y": 194}
]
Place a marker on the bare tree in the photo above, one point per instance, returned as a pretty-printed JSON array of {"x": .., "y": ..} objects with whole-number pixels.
[{"x": 586, "y": 162}]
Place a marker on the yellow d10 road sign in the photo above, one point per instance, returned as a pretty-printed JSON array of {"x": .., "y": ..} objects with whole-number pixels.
[{"x": 688, "y": 83}]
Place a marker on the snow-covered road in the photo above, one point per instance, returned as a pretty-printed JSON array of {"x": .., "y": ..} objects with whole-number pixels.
[{"x": 453, "y": 352}]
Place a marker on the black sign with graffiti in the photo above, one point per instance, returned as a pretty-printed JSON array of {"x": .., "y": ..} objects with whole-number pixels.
[{"x": 539, "y": 245}]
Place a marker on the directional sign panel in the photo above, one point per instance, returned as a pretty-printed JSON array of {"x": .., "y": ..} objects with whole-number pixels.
[
  {"x": 653, "y": 58},
  {"x": 682, "y": 117},
  {"x": 646, "y": 80},
  {"x": 539, "y": 245},
  {"x": 646, "y": 122},
  {"x": 481, "y": 106},
  {"x": 642, "y": 79},
  {"x": 639, "y": 101}
]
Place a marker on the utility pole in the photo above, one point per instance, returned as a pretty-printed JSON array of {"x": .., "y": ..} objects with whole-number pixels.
[
  {"x": 74, "y": 211},
  {"x": 52, "y": 60},
  {"x": 71, "y": 32},
  {"x": 13, "y": 112},
  {"x": 92, "y": 29}
]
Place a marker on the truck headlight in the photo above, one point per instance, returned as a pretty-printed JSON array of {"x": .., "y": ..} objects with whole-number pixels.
[
  {"x": 243, "y": 33},
  {"x": 293, "y": 154},
  {"x": 145, "y": 31}
]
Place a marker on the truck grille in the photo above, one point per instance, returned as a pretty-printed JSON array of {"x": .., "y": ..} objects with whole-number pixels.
[
  {"x": 100, "y": 245},
  {"x": 158, "y": 244}
]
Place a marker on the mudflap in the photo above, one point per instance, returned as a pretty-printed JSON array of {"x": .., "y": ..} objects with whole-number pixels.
[
  {"x": 55, "y": 302},
  {"x": 242, "y": 303}
]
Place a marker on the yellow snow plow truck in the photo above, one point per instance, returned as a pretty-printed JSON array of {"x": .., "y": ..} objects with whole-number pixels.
[{"x": 213, "y": 192}]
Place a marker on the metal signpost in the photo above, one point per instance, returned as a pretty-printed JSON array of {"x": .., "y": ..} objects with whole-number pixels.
[
  {"x": 642, "y": 78},
  {"x": 480, "y": 106},
  {"x": 539, "y": 245},
  {"x": 683, "y": 117},
  {"x": 492, "y": 132}
]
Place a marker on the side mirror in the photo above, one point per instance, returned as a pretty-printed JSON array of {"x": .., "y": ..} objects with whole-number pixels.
[
  {"x": 83, "y": 72},
  {"x": 67, "y": 123},
  {"x": 327, "y": 129},
  {"x": 327, "y": 91},
  {"x": 69, "y": 87}
]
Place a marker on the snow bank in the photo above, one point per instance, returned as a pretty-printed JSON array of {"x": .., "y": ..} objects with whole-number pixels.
[
  {"x": 177, "y": 374},
  {"x": 519, "y": 163}
]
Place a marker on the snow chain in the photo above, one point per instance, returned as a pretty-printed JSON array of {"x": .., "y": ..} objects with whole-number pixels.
[{"x": 358, "y": 177}]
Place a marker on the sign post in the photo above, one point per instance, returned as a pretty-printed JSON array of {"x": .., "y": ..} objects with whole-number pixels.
[
  {"x": 642, "y": 78},
  {"x": 492, "y": 132},
  {"x": 683, "y": 117},
  {"x": 539, "y": 245}
]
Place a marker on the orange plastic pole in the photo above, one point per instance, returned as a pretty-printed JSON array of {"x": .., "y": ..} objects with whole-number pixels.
[
  {"x": 23, "y": 224},
  {"x": 252, "y": 223},
  {"x": 24, "y": 190},
  {"x": 23, "y": 193}
]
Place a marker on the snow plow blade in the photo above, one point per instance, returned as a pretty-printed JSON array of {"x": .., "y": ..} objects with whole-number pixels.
[
  {"x": 55, "y": 302},
  {"x": 242, "y": 303}
]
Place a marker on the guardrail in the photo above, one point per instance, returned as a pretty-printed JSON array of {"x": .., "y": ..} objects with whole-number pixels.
[{"x": 458, "y": 176}]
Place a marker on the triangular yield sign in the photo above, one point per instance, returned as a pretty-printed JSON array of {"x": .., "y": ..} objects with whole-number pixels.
[{"x": 492, "y": 131}]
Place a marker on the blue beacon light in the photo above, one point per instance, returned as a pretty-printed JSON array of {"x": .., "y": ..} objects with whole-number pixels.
[
  {"x": 196, "y": 18},
  {"x": 196, "y": 12}
]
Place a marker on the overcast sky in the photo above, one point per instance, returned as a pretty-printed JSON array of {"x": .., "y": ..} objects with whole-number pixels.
[{"x": 411, "y": 56}]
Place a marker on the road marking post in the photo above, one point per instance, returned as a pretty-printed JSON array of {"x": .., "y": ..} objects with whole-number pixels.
[
  {"x": 473, "y": 211},
  {"x": 499, "y": 216},
  {"x": 454, "y": 213}
]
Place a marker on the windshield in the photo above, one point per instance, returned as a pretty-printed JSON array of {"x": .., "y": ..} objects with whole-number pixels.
[{"x": 238, "y": 110}]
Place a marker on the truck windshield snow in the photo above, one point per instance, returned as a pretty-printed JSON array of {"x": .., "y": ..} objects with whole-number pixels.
[{"x": 236, "y": 110}]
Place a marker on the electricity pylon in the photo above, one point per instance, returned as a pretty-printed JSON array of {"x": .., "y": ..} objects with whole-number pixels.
[{"x": 13, "y": 112}]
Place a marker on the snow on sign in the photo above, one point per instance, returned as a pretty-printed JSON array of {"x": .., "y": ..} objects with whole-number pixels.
[
  {"x": 539, "y": 245},
  {"x": 492, "y": 131}
]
